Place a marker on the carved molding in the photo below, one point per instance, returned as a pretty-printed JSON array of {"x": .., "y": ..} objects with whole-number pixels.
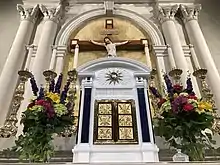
[
  {"x": 53, "y": 14},
  {"x": 166, "y": 13},
  {"x": 190, "y": 12},
  {"x": 28, "y": 13}
]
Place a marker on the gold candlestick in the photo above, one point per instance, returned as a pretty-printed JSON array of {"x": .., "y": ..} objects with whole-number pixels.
[
  {"x": 71, "y": 97},
  {"x": 10, "y": 129},
  {"x": 152, "y": 77},
  {"x": 206, "y": 92},
  {"x": 175, "y": 73},
  {"x": 49, "y": 76}
]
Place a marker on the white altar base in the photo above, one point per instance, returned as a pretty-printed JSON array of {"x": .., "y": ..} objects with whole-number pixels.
[
  {"x": 115, "y": 154},
  {"x": 95, "y": 87}
]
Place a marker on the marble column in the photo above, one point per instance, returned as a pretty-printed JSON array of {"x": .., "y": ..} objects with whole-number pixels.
[
  {"x": 44, "y": 52},
  {"x": 43, "y": 55},
  {"x": 166, "y": 17},
  {"x": 16, "y": 57},
  {"x": 147, "y": 53},
  {"x": 30, "y": 49},
  {"x": 160, "y": 62},
  {"x": 53, "y": 58},
  {"x": 61, "y": 52},
  {"x": 76, "y": 56},
  {"x": 190, "y": 16}
]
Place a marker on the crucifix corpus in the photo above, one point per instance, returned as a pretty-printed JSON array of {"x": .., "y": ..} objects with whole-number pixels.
[{"x": 110, "y": 46}]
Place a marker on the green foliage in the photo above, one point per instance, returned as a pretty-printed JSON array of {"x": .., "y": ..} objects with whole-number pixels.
[
  {"x": 184, "y": 131},
  {"x": 35, "y": 144}
]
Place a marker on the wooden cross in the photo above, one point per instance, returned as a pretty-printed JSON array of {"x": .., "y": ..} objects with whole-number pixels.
[{"x": 86, "y": 45}]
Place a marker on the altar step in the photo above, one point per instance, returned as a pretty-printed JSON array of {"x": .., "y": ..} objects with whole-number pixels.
[{"x": 66, "y": 156}]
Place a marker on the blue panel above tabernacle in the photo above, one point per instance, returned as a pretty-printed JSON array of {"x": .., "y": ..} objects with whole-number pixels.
[
  {"x": 86, "y": 116},
  {"x": 143, "y": 115}
]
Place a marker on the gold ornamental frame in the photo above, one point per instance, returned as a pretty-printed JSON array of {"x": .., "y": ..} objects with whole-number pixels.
[{"x": 114, "y": 124}]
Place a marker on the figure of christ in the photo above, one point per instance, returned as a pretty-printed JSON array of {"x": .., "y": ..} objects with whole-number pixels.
[{"x": 110, "y": 46}]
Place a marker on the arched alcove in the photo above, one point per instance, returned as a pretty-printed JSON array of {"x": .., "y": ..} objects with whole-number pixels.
[{"x": 147, "y": 26}]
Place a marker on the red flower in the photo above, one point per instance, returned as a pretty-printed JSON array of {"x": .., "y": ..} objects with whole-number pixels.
[
  {"x": 161, "y": 101},
  {"x": 188, "y": 107},
  {"x": 40, "y": 102},
  {"x": 178, "y": 87},
  {"x": 44, "y": 103},
  {"x": 192, "y": 97}
]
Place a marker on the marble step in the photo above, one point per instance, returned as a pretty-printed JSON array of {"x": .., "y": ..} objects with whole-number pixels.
[{"x": 66, "y": 156}]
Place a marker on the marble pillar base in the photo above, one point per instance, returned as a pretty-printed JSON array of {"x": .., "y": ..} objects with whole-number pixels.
[{"x": 84, "y": 153}]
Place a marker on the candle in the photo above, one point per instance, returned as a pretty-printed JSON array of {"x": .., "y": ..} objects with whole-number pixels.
[
  {"x": 76, "y": 55},
  {"x": 30, "y": 49},
  {"x": 53, "y": 58},
  {"x": 147, "y": 54},
  {"x": 194, "y": 58},
  {"x": 170, "y": 57}
]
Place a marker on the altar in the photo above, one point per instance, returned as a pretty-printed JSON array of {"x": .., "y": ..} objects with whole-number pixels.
[{"x": 115, "y": 119}]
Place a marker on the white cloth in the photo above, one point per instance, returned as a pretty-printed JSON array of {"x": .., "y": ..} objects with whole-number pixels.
[{"x": 111, "y": 49}]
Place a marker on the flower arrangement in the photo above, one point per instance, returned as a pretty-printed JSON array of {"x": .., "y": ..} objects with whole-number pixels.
[
  {"x": 184, "y": 120},
  {"x": 48, "y": 113}
]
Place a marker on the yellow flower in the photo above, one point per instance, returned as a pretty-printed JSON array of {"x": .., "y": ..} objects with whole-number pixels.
[
  {"x": 203, "y": 105},
  {"x": 54, "y": 97}
]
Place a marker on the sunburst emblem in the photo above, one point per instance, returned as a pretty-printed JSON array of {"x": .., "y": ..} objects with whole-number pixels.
[{"x": 114, "y": 77}]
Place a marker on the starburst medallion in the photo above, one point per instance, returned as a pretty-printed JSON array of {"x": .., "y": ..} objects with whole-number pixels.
[{"x": 114, "y": 77}]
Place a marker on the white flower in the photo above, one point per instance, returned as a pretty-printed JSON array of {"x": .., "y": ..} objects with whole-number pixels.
[{"x": 207, "y": 131}]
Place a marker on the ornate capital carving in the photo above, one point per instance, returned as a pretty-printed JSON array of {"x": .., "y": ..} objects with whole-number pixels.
[
  {"x": 166, "y": 13},
  {"x": 190, "y": 12},
  {"x": 53, "y": 14},
  {"x": 28, "y": 13}
]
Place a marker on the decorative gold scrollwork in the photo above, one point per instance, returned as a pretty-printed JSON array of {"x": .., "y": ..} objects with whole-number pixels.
[
  {"x": 10, "y": 128},
  {"x": 71, "y": 97}
]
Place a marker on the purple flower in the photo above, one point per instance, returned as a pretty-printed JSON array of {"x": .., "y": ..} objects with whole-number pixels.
[
  {"x": 189, "y": 87},
  {"x": 58, "y": 84},
  {"x": 178, "y": 103},
  {"x": 34, "y": 86},
  {"x": 52, "y": 85},
  {"x": 41, "y": 93},
  {"x": 168, "y": 84},
  {"x": 64, "y": 92},
  {"x": 155, "y": 92}
]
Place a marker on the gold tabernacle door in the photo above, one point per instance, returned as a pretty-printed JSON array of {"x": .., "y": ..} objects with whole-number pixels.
[{"x": 115, "y": 122}]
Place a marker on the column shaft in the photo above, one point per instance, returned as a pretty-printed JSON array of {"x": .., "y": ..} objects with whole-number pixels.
[
  {"x": 172, "y": 38},
  {"x": 190, "y": 15},
  {"x": 15, "y": 60},
  {"x": 197, "y": 39},
  {"x": 43, "y": 55}
]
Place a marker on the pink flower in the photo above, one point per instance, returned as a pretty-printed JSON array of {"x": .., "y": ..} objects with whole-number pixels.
[{"x": 188, "y": 107}]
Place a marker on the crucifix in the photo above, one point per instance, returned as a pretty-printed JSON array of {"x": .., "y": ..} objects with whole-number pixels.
[{"x": 107, "y": 44}]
